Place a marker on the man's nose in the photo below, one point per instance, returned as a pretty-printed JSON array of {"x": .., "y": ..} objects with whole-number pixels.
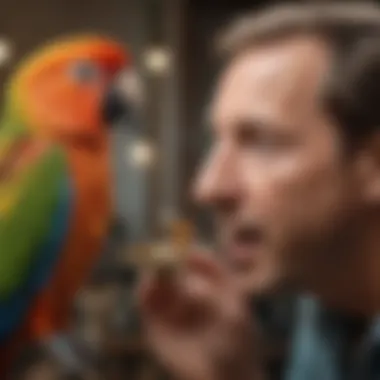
[{"x": 218, "y": 183}]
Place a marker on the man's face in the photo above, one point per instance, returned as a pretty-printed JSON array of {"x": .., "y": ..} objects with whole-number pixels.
[{"x": 276, "y": 175}]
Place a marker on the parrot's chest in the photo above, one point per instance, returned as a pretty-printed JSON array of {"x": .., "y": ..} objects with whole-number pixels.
[
  {"x": 90, "y": 219},
  {"x": 93, "y": 196}
]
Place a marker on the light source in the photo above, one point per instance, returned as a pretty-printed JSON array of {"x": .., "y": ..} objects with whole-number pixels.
[
  {"x": 5, "y": 51},
  {"x": 157, "y": 60},
  {"x": 140, "y": 153}
]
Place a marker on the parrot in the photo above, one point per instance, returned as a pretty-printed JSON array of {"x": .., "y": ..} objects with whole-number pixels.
[{"x": 55, "y": 182}]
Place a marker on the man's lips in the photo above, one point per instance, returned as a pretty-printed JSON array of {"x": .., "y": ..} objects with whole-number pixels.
[{"x": 244, "y": 244}]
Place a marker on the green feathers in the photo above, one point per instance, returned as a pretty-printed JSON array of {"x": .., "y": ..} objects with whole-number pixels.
[{"x": 30, "y": 176}]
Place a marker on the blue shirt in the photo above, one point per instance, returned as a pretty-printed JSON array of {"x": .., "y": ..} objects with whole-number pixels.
[{"x": 319, "y": 348}]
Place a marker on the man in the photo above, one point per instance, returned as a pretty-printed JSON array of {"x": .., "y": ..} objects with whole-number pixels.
[{"x": 294, "y": 179}]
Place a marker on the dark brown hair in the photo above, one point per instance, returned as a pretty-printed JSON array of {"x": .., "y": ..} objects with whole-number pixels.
[{"x": 351, "y": 29}]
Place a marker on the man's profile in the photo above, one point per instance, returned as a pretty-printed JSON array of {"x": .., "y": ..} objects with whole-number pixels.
[{"x": 293, "y": 176}]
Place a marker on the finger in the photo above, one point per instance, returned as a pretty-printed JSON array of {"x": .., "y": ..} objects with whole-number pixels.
[
  {"x": 199, "y": 288},
  {"x": 156, "y": 288},
  {"x": 186, "y": 305},
  {"x": 211, "y": 285},
  {"x": 192, "y": 297},
  {"x": 205, "y": 265}
]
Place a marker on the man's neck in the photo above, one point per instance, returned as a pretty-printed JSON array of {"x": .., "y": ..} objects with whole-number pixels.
[{"x": 356, "y": 286}]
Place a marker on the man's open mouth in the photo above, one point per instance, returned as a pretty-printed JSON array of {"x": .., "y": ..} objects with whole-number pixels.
[{"x": 244, "y": 244}]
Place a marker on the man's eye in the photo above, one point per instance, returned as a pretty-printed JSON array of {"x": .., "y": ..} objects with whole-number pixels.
[
  {"x": 252, "y": 139},
  {"x": 85, "y": 72},
  {"x": 263, "y": 139}
]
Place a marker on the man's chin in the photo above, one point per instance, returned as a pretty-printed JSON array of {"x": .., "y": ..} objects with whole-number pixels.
[{"x": 257, "y": 284}]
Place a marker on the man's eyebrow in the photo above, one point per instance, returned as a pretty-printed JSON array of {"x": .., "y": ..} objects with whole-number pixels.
[
  {"x": 253, "y": 124},
  {"x": 260, "y": 124}
]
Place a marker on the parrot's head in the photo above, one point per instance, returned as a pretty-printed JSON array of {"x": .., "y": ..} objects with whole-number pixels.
[{"x": 66, "y": 91}]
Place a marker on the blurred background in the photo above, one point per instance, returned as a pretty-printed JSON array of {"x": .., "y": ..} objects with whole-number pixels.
[
  {"x": 172, "y": 44},
  {"x": 154, "y": 158}
]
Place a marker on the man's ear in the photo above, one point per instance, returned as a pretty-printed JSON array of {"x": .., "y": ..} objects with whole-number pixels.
[{"x": 368, "y": 169}]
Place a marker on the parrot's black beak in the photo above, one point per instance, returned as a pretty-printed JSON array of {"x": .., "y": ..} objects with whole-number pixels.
[
  {"x": 124, "y": 99},
  {"x": 115, "y": 107}
]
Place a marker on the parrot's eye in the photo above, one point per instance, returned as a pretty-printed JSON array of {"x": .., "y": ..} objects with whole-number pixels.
[{"x": 85, "y": 72}]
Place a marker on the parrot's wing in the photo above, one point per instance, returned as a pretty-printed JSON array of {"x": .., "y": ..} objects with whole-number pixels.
[{"x": 35, "y": 204}]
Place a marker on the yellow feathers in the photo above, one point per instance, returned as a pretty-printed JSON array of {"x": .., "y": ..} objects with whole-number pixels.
[{"x": 9, "y": 196}]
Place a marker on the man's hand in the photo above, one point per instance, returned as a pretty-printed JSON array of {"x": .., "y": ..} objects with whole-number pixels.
[{"x": 198, "y": 324}]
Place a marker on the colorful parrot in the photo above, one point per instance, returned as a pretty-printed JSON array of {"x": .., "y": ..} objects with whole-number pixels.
[{"x": 55, "y": 182}]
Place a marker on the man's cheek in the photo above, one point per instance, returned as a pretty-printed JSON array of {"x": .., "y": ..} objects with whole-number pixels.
[
  {"x": 275, "y": 189},
  {"x": 262, "y": 183},
  {"x": 307, "y": 183}
]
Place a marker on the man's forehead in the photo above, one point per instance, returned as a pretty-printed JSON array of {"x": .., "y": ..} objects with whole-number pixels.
[{"x": 280, "y": 78}]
